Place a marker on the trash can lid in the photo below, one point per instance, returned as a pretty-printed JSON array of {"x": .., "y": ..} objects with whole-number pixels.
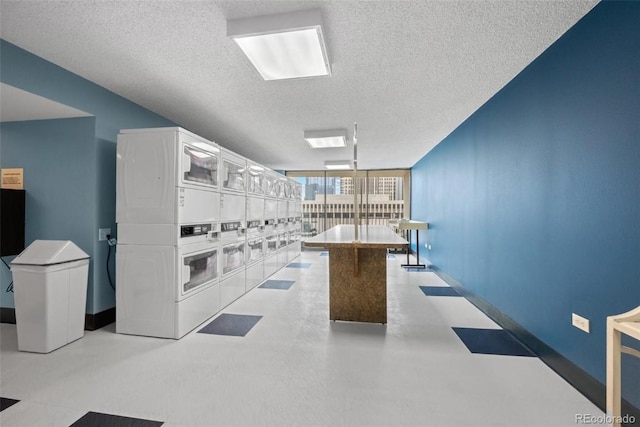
[{"x": 47, "y": 252}]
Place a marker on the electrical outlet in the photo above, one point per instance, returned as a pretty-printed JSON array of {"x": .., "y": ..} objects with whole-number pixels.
[
  {"x": 429, "y": 247},
  {"x": 580, "y": 322},
  {"x": 102, "y": 233}
]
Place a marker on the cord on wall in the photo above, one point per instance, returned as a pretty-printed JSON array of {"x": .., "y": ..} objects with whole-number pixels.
[
  {"x": 111, "y": 242},
  {"x": 10, "y": 287}
]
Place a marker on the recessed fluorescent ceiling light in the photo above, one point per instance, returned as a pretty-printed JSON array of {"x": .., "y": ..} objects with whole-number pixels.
[
  {"x": 326, "y": 138},
  {"x": 283, "y": 46},
  {"x": 337, "y": 164}
]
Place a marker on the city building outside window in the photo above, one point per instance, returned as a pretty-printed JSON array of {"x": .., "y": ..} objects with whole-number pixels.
[{"x": 328, "y": 198}]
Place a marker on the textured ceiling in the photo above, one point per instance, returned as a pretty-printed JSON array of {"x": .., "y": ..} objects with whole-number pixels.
[{"x": 409, "y": 72}]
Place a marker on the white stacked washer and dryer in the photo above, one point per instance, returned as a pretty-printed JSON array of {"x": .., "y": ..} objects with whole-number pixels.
[
  {"x": 294, "y": 212},
  {"x": 198, "y": 226},
  {"x": 282, "y": 190},
  {"x": 255, "y": 225},
  {"x": 233, "y": 226},
  {"x": 271, "y": 236},
  {"x": 168, "y": 215}
]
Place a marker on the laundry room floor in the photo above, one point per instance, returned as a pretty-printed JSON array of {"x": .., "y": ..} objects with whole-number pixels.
[{"x": 273, "y": 358}]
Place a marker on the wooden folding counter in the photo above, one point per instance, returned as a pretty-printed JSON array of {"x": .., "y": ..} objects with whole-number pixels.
[{"x": 358, "y": 270}]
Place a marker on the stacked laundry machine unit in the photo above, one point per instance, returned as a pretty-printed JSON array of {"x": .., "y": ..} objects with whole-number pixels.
[
  {"x": 233, "y": 226},
  {"x": 294, "y": 209},
  {"x": 282, "y": 189},
  {"x": 198, "y": 226},
  {"x": 290, "y": 222},
  {"x": 168, "y": 215},
  {"x": 255, "y": 225},
  {"x": 271, "y": 237}
]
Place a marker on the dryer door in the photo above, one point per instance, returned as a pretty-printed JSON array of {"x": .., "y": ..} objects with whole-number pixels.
[
  {"x": 233, "y": 176},
  {"x": 270, "y": 186},
  {"x": 199, "y": 165},
  {"x": 198, "y": 270},
  {"x": 255, "y": 179}
]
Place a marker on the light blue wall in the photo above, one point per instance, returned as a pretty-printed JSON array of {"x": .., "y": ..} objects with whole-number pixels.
[
  {"x": 26, "y": 71},
  {"x": 60, "y": 186},
  {"x": 534, "y": 201}
]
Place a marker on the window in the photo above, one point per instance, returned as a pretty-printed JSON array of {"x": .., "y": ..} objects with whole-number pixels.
[{"x": 328, "y": 198}]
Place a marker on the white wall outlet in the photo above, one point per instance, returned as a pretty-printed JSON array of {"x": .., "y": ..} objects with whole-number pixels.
[
  {"x": 102, "y": 233},
  {"x": 429, "y": 247},
  {"x": 580, "y": 322}
]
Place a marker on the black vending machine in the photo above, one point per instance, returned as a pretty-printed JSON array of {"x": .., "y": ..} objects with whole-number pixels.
[{"x": 11, "y": 222}]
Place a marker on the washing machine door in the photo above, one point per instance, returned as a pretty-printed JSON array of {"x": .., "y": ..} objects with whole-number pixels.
[
  {"x": 271, "y": 244},
  {"x": 199, "y": 270},
  {"x": 233, "y": 257},
  {"x": 282, "y": 240},
  {"x": 255, "y": 250}
]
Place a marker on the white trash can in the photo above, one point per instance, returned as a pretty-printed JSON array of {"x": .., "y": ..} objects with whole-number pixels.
[{"x": 50, "y": 286}]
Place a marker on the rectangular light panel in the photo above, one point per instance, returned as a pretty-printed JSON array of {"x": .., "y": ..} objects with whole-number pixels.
[
  {"x": 337, "y": 164},
  {"x": 326, "y": 138},
  {"x": 290, "y": 55},
  {"x": 284, "y": 46}
]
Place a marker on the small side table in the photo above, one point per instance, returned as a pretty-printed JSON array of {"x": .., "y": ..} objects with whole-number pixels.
[
  {"x": 629, "y": 324},
  {"x": 413, "y": 225}
]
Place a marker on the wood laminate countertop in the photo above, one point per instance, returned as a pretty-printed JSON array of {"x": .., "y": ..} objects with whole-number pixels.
[{"x": 370, "y": 236}]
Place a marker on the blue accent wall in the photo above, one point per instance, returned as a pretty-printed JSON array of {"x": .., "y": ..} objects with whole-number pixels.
[
  {"x": 96, "y": 175},
  {"x": 534, "y": 201}
]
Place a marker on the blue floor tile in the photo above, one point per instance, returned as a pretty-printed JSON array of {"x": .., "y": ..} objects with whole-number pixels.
[
  {"x": 491, "y": 341},
  {"x": 237, "y": 325},
  {"x": 97, "y": 419},
  {"x": 277, "y": 284},
  {"x": 298, "y": 265},
  {"x": 5, "y": 403},
  {"x": 439, "y": 291}
]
